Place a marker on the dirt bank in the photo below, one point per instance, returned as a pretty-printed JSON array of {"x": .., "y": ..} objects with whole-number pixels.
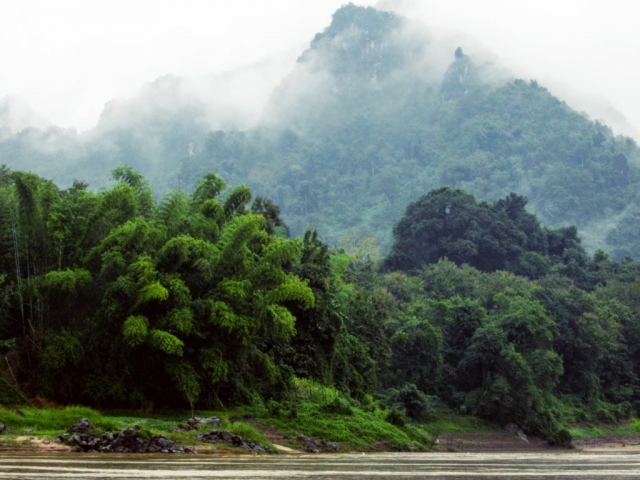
[{"x": 505, "y": 441}]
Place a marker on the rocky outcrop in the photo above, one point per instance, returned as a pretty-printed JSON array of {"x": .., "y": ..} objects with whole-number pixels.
[
  {"x": 220, "y": 436},
  {"x": 313, "y": 446},
  {"x": 83, "y": 438},
  {"x": 194, "y": 423},
  {"x": 517, "y": 431}
]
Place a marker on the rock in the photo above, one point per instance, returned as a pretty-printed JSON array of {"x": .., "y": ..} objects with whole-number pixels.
[
  {"x": 517, "y": 431},
  {"x": 125, "y": 441},
  {"x": 215, "y": 436},
  {"x": 46, "y": 442},
  {"x": 83, "y": 426},
  {"x": 164, "y": 443},
  {"x": 196, "y": 422},
  {"x": 329, "y": 446},
  {"x": 2, "y": 427},
  {"x": 311, "y": 445},
  {"x": 212, "y": 421}
]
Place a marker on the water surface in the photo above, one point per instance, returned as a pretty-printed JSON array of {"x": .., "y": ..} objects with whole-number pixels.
[{"x": 544, "y": 465}]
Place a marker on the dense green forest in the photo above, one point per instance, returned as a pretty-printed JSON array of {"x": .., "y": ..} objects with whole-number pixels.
[
  {"x": 369, "y": 120},
  {"x": 112, "y": 299},
  {"x": 417, "y": 235}
]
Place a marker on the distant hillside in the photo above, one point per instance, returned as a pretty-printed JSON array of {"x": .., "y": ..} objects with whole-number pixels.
[{"x": 370, "y": 120}]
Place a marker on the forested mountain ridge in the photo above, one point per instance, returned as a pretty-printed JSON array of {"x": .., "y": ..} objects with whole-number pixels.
[
  {"x": 370, "y": 119},
  {"x": 378, "y": 124}
]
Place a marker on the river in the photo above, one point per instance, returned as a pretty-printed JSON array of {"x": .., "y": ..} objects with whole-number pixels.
[{"x": 543, "y": 465}]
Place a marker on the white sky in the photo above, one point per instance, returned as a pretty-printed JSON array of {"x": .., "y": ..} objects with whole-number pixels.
[{"x": 67, "y": 58}]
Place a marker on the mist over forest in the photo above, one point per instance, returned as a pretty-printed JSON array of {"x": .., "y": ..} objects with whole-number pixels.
[{"x": 375, "y": 113}]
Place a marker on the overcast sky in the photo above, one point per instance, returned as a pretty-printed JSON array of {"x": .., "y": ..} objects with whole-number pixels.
[{"x": 66, "y": 58}]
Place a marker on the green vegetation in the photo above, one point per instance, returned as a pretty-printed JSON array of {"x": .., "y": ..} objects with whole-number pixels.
[
  {"x": 202, "y": 301},
  {"x": 601, "y": 430},
  {"x": 325, "y": 413},
  {"x": 360, "y": 427},
  {"x": 52, "y": 422}
]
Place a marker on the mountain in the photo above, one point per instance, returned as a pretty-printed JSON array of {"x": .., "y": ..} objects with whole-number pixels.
[{"x": 370, "y": 119}]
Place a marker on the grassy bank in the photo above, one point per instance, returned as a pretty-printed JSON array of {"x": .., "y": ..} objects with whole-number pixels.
[
  {"x": 603, "y": 431},
  {"x": 358, "y": 430},
  {"x": 312, "y": 410},
  {"x": 350, "y": 426}
]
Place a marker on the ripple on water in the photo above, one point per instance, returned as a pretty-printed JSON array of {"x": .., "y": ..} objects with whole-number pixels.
[{"x": 574, "y": 465}]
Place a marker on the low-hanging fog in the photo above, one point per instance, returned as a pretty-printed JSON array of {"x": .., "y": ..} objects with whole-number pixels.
[
  {"x": 582, "y": 51},
  {"x": 67, "y": 59},
  {"x": 176, "y": 90}
]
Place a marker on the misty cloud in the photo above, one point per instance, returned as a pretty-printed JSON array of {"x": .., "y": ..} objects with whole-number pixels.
[
  {"x": 17, "y": 115},
  {"x": 232, "y": 100},
  {"x": 582, "y": 52}
]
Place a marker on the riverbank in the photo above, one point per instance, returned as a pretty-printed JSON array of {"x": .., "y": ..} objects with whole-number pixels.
[
  {"x": 307, "y": 429},
  {"x": 471, "y": 442},
  {"x": 496, "y": 442},
  {"x": 303, "y": 428}
]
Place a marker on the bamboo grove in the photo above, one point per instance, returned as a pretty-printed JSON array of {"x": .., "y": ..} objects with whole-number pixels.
[{"x": 113, "y": 299}]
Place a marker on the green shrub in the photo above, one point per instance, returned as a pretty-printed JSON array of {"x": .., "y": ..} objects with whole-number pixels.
[
  {"x": 396, "y": 417},
  {"x": 338, "y": 405},
  {"x": 408, "y": 398},
  {"x": 634, "y": 425},
  {"x": 274, "y": 408},
  {"x": 368, "y": 403},
  {"x": 248, "y": 432},
  {"x": 145, "y": 433},
  {"x": 561, "y": 438},
  {"x": 305, "y": 389}
]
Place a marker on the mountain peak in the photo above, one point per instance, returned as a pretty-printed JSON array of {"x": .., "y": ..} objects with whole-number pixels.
[
  {"x": 459, "y": 77},
  {"x": 359, "y": 40},
  {"x": 375, "y": 23}
]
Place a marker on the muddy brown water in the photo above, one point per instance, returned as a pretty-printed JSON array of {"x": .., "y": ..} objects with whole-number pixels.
[{"x": 554, "y": 465}]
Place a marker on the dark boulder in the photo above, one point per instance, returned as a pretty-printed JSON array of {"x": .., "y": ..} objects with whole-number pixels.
[{"x": 128, "y": 440}]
